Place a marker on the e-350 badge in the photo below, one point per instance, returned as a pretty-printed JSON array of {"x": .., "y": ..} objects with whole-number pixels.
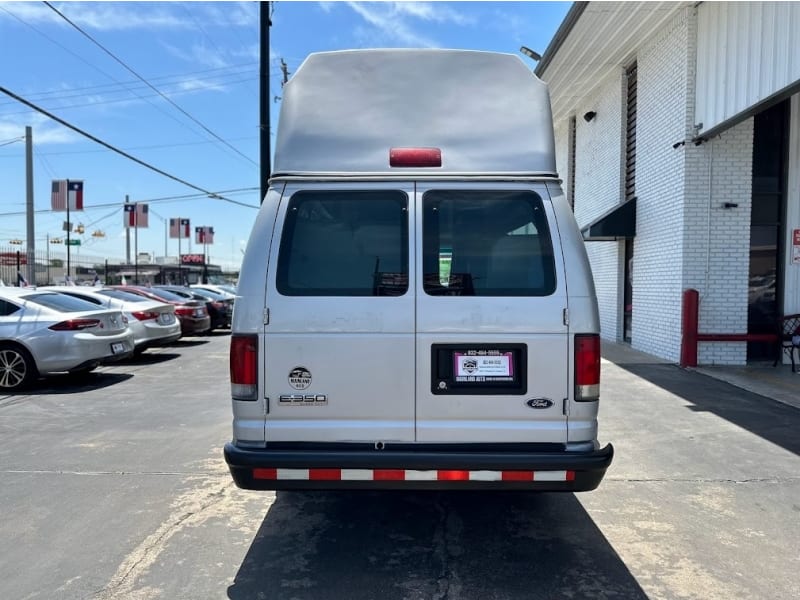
[{"x": 300, "y": 378}]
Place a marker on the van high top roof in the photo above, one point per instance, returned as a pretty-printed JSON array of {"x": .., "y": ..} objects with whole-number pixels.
[{"x": 343, "y": 112}]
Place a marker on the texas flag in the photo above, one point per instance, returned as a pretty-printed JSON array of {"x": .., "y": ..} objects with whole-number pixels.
[
  {"x": 135, "y": 215},
  {"x": 179, "y": 228},
  {"x": 204, "y": 235},
  {"x": 66, "y": 190}
]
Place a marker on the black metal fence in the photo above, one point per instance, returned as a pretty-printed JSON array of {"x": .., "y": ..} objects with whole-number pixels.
[{"x": 50, "y": 266}]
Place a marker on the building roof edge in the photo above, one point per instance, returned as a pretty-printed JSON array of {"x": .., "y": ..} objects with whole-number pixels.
[{"x": 561, "y": 35}]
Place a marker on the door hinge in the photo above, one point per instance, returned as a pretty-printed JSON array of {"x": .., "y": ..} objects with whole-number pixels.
[
  {"x": 266, "y": 316},
  {"x": 565, "y": 406},
  {"x": 266, "y": 406},
  {"x": 566, "y": 316}
]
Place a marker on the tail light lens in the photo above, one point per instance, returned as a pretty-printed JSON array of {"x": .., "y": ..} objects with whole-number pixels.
[
  {"x": 244, "y": 366},
  {"x": 415, "y": 157},
  {"x": 145, "y": 315},
  {"x": 587, "y": 367},
  {"x": 185, "y": 311},
  {"x": 75, "y": 324}
]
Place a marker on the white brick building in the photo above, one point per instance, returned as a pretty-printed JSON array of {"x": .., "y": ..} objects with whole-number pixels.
[{"x": 691, "y": 112}]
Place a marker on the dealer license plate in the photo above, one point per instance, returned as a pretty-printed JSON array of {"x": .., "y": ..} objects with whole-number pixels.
[
  {"x": 117, "y": 348},
  {"x": 483, "y": 366}
]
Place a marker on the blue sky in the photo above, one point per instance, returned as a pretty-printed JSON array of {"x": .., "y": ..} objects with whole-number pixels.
[{"x": 204, "y": 57}]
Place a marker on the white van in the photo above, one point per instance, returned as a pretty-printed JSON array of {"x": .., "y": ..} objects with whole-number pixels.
[{"x": 415, "y": 308}]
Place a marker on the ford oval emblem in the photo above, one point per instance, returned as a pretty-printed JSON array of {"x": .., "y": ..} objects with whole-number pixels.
[{"x": 540, "y": 403}]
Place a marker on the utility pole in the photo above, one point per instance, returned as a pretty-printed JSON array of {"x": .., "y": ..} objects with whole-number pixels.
[
  {"x": 31, "y": 249},
  {"x": 264, "y": 100}
]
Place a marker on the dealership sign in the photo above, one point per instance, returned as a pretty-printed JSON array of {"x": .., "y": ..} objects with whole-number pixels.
[{"x": 192, "y": 259}]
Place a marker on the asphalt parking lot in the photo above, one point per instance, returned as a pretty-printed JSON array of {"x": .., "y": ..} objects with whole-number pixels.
[{"x": 113, "y": 486}]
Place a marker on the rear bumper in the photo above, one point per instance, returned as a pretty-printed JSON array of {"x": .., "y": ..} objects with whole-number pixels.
[
  {"x": 423, "y": 468},
  {"x": 153, "y": 342},
  {"x": 194, "y": 326}
]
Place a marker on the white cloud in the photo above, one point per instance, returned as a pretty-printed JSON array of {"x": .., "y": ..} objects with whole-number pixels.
[
  {"x": 45, "y": 131},
  {"x": 390, "y": 23},
  {"x": 198, "y": 54},
  {"x": 200, "y": 85},
  {"x": 430, "y": 11},
  {"x": 119, "y": 16},
  {"x": 393, "y": 23}
]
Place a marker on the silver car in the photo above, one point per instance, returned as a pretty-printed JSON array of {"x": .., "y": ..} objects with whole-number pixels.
[
  {"x": 42, "y": 332},
  {"x": 152, "y": 323},
  {"x": 222, "y": 289}
]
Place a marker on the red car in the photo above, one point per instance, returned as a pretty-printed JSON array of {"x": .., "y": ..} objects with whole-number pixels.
[{"x": 192, "y": 314}]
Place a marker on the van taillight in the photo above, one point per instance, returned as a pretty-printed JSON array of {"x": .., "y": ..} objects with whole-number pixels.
[
  {"x": 587, "y": 367},
  {"x": 244, "y": 367}
]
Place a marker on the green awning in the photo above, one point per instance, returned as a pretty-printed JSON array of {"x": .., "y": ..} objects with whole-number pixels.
[{"x": 617, "y": 224}]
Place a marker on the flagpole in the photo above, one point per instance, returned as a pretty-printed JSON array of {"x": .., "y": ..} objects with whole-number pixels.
[
  {"x": 69, "y": 229},
  {"x": 180, "y": 262},
  {"x": 205, "y": 260},
  {"x": 136, "y": 242}
]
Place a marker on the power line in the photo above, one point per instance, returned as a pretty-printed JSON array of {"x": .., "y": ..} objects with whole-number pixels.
[
  {"x": 150, "y": 147},
  {"x": 185, "y": 86},
  {"x": 229, "y": 71},
  {"x": 7, "y": 142},
  {"x": 162, "y": 200},
  {"x": 118, "y": 100},
  {"x": 112, "y": 55},
  {"x": 98, "y": 69},
  {"x": 118, "y": 151}
]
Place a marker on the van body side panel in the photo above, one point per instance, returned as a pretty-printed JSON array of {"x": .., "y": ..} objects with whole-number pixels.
[
  {"x": 583, "y": 311},
  {"x": 248, "y": 314},
  {"x": 526, "y": 329},
  {"x": 339, "y": 364}
]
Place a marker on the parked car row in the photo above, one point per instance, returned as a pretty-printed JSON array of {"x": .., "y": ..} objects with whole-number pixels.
[{"x": 48, "y": 330}]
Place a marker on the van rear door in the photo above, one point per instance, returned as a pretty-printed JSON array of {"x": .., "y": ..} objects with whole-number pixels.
[
  {"x": 492, "y": 344},
  {"x": 339, "y": 346}
]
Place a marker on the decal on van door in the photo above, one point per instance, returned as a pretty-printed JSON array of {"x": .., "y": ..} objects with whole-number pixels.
[{"x": 300, "y": 378}]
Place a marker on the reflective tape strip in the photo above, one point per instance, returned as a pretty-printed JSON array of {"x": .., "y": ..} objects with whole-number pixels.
[
  {"x": 421, "y": 475},
  {"x": 486, "y": 475},
  {"x": 356, "y": 474},
  {"x": 293, "y": 473},
  {"x": 409, "y": 475},
  {"x": 550, "y": 476}
]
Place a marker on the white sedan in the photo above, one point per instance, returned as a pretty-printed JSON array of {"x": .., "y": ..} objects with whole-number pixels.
[
  {"x": 43, "y": 332},
  {"x": 152, "y": 323}
]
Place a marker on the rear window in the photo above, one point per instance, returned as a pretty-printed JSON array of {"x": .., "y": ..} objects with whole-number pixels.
[
  {"x": 345, "y": 244},
  {"x": 206, "y": 295},
  {"x": 126, "y": 296},
  {"x": 6, "y": 308},
  {"x": 61, "y": 302},
  {"x": 187, "y": 293},
  {"x": 165, "y": 295},
  {"x": 486, "y": 243},
  {"x": 95, "y": 301}
]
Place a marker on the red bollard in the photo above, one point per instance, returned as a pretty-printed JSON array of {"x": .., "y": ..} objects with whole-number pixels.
[{"x": 689, "y": 322}]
